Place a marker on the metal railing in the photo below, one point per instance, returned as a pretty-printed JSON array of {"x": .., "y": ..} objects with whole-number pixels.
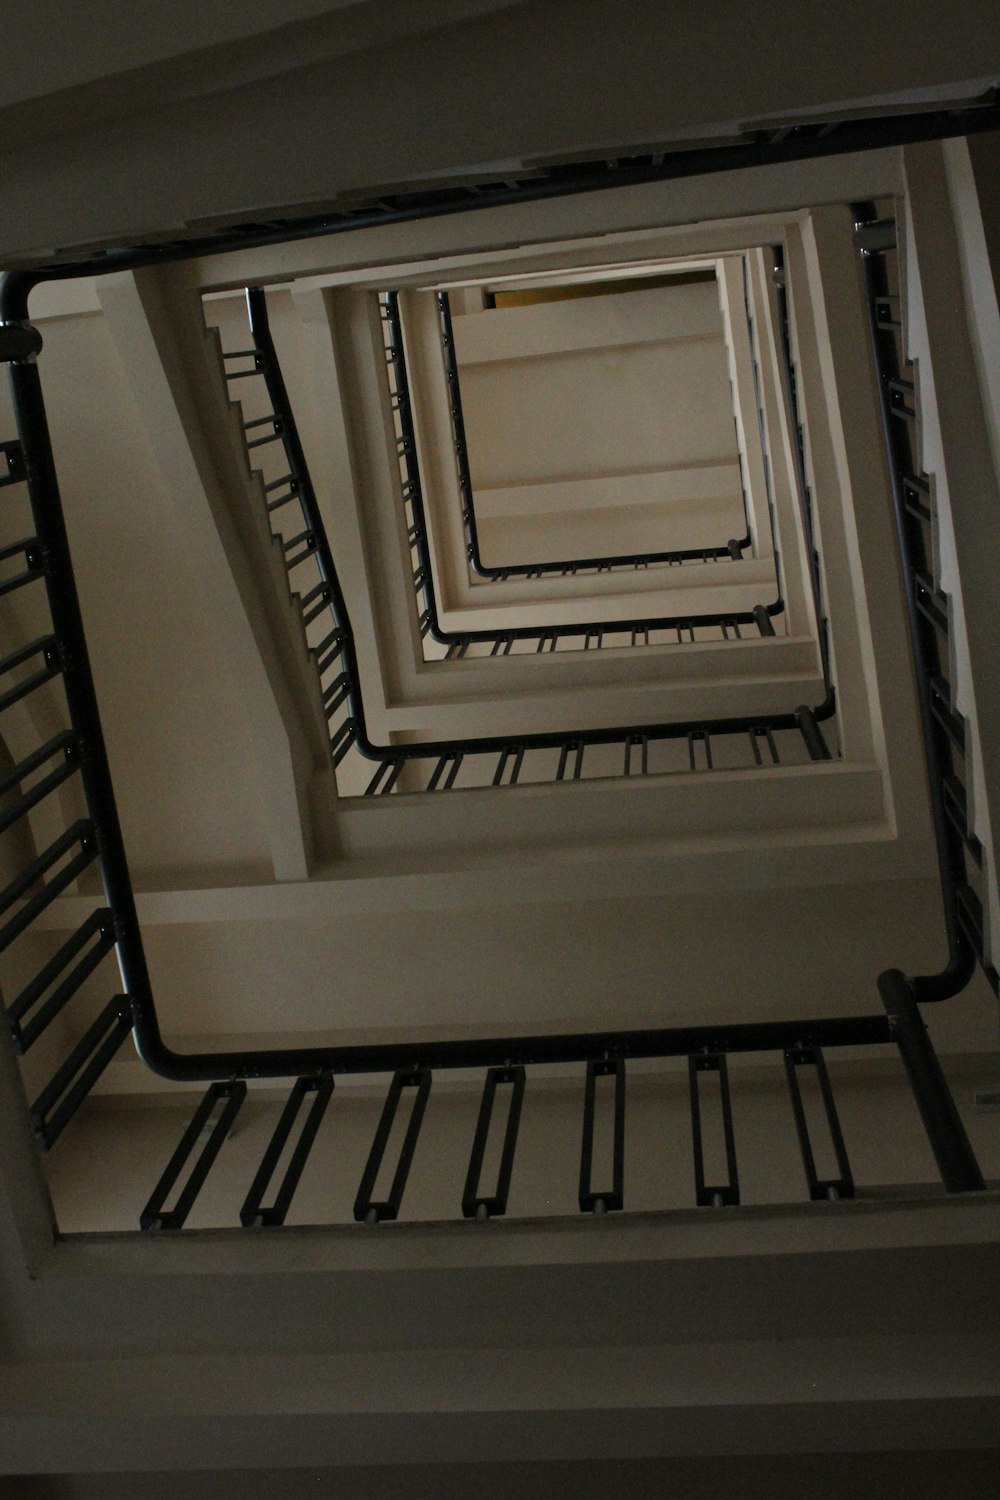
[
  {"x": 93, "y": 843},
  {"x": 742, "y": 742},
  {"x": 483, "y": 1190},
  {"x": 960, "y": 854},
  {"x": 42, "y": 561},
  {"x": 803, "y": 488},
  {"x": 113, "y": 925},
  {"x": 648, "y": 630},
  {"x": 729, "y": 551}
]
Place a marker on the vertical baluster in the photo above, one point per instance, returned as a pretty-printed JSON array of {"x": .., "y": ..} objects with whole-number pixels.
[
  {"x": 365, "y": 1210},
  {"x": 640, "y": 742},
  {"x": 336, "y": 694},
  {"x": 475, "y": 1204},
  {"x": 699, "y": 737},
  {"x": 811, "y": 734},
  {"x": 342, "y": 739},
  {"x": 328, "y": 649},
  {"x": 453, "y": 761},
  {"x": 252, "y": 1212},
  {"x": 828, "y": 1187},
  {"x": 953, "y": 1153},
  {"x": 603, "y": 1200},
  {"x": 94, "y": 939},
  {"x": 72, "y": 1081},
  {"x": 709, "y": 1195},
  {"x": 65, "y": 744},
  {"x": 12, "y": 457},
  {"x": 576, "y": 749},
  {"x": 153, "y": 1215},
  {"x": 30, "y": 879},
  {"x": 385, "y": 777},
  {"x": 512, "y": 753}
]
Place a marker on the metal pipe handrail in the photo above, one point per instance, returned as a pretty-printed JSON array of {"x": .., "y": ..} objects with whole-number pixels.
[
  {"x": 430, "y": 624},
  {"x": 798, "y": 449},
  {"x": 762, "y": 431},
  {"x": 99, "y": 837},
  {"x": 303, "y": 493},
  {"x": 875, "y": 238},
  {"x": 731, "y": 550}
]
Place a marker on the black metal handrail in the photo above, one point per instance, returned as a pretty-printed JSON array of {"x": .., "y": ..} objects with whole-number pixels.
[
  {"x": 765, "y": 450},
  {"x": 97, "y": 840},
  {"x": 114, "y": 921},
  {"x": 798, "y": 449},
  {"x": 928, "y": 618},
  {"x": 691, "y": 627},
  {"x": 730, "y": 551},
  {"x": 506, "y": 1061},
  {"x": 93, "y": 842},
  {"x": 324, "y": 607}
]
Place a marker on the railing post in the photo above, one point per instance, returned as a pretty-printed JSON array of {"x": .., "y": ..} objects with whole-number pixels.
[
  {"x": 19, "y": 342},
  {"x": 954, "y": 1155},
  {"x": 811, "y": 733},
  {"x": 762, "y": 619}
]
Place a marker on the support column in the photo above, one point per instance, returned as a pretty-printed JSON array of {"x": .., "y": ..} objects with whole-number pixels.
[{"x": 954, "y": 1155}]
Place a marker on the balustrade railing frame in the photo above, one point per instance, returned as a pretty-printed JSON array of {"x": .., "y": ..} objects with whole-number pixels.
[
  {"x": 927, "y": 621},
  {"x": 103, "y": 842},
  {"x": 31, "y": 462},
  {"x": 350, "y": 731},
  {"x": 731, "y": 550},
  {"x": 458, "y": 641}
]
